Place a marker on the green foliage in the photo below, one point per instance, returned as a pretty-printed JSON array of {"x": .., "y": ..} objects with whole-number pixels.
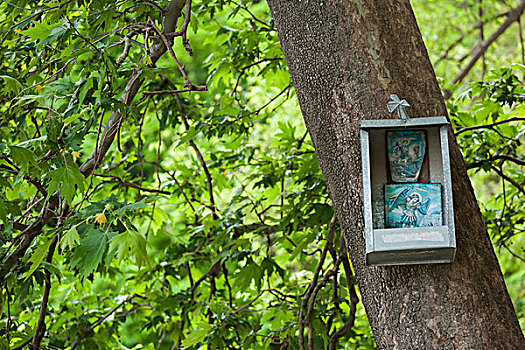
[
  {"x": 490, "y": 134},
  {"x": 71, "y": 239},
  {"x": 67, "y": 179},
  {"x": 203, "y": 221},
  {"x": 88, "y": 255}
]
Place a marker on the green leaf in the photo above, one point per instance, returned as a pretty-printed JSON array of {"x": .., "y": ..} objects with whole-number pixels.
[
  {"x": 129, "y": 243},
  {"x": 269, "y": 266},
  {"x": 250, "y": 272},
  {"x": 11, "y": 85},
  {"x": 40, "y": 31},
  {"x": 13, "y": 208},
  {"x": 85, "y": 89},
  {"x": 72, "y": 118},
  {"x": 88, "y": 255},
  {"x": 67, "y": 179},
  {"x": 23, "y": 156},
  {"x": 37, "y": 257},
  {"x": 71, "y": 239},
  {"x": 519, "y": 111},
  {"x": 131, "y": 207},
  {"x": 321, "y": 215},
  {"x": 5, "y": 183},
  {"x": 52, "y": 268},
  {"x": 196, "y": 337},
  {"x": 55, "y": 33},
  {"x": 3, "y": 212}
]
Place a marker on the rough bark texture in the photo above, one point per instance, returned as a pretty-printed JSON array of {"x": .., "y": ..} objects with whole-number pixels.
[{"x": 345, "y": 59}]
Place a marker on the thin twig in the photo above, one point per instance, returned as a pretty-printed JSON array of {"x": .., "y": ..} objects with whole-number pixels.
[
  {"x": 522, "y": 46},
  {"x": 227, "y": 282},
  {"x": 41, "y": 325},
  {"x": 172, "y": 92},
  {"x": 88, "y": 331},
  {"x": 512, "y": 181},
  {"x": 209, "y": 180},
  {"x": 480, "y": 49},
  {"x": 172, "y": 175},
  {"x": 121, "y": 182},
  {"x": 313, "y": 284},
  {"x": 488, "y": 126},
  {"x": 243, "y": 70},
  {"x": 170, "y": 50},
  {"x": 354, "y": 300},
  {"x": 8, "y": 324}
]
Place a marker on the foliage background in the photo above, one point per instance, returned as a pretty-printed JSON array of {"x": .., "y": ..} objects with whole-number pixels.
[{"x": 207, "y": 224}]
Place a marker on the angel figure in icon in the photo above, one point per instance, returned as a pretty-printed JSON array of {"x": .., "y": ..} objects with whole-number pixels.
[{"x": 410, "y": 203}]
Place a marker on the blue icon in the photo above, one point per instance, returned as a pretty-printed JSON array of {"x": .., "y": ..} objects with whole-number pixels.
[
  {"x": 413, "y": 205},
  {"x": 406, "y": 150}
]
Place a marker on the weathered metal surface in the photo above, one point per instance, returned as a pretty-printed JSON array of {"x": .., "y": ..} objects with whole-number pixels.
[
  {"x": 398, "y": 123},
  {"x": 447, "y": 186},
  {"x": 398, "y": 105},
  {"x": 367, "y": 195}
]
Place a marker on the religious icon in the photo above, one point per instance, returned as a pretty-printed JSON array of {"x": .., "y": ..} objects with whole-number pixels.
[
  {"x": 413, "y": 205},
  {"x": 408, "y": 220},
  {"x": 406, "y": 150}
]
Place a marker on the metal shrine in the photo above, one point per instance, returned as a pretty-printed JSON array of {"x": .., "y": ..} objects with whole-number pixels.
[{"x": 407, "y": 188}]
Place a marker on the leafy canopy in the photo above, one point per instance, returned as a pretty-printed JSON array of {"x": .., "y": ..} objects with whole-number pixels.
[{"x": 171, "y": 198}]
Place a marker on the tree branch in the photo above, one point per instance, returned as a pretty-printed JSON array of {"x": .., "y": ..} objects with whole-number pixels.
[
  {"x": 488, "y": 126},
  {"x": 28, "y": 235},
  {"x": 121, "y": 182},
  {"x": 102, "y": 319},
  {"x": 463, "y": 35},
  {"x": 209, "y": 179},
  {"x": 502, "y": 157},
  {"x": 131, "y": 90},
  {"x": 480, "y": 49},
  {"x": 313, "y": 284},
  {"x": 172, "y": 53},
  {"x": 354, "y": 299},
  {"x": 184, "y": 29},
  {"x": 172, "y": 92},
  {"x": 41, "y": 325},
  {"x": 505, "y": 177},
  {"x": 94, "y": 160}
]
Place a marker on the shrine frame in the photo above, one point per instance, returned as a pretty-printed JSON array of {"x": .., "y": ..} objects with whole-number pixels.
[{"x": 407, "y": 245}]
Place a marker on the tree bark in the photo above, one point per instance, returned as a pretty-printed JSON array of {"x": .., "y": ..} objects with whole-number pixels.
[{"x": 346, "y": 58}]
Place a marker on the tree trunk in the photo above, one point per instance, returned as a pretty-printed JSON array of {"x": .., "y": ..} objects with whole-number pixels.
[{"x": 346, "y": 58}]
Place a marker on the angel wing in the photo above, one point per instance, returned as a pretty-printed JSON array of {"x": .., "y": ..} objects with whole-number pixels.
[
  {"x": 400, "y": 199},
  {"x": 423, "y": 207}
]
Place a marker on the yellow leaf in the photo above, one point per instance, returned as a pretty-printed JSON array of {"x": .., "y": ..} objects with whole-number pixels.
[
  {"x": 39, "y": 87},
  {"x": 100, "y": 218},
  {"x": 76, "y": 155},
  {"x": 17, "y": 31}
]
